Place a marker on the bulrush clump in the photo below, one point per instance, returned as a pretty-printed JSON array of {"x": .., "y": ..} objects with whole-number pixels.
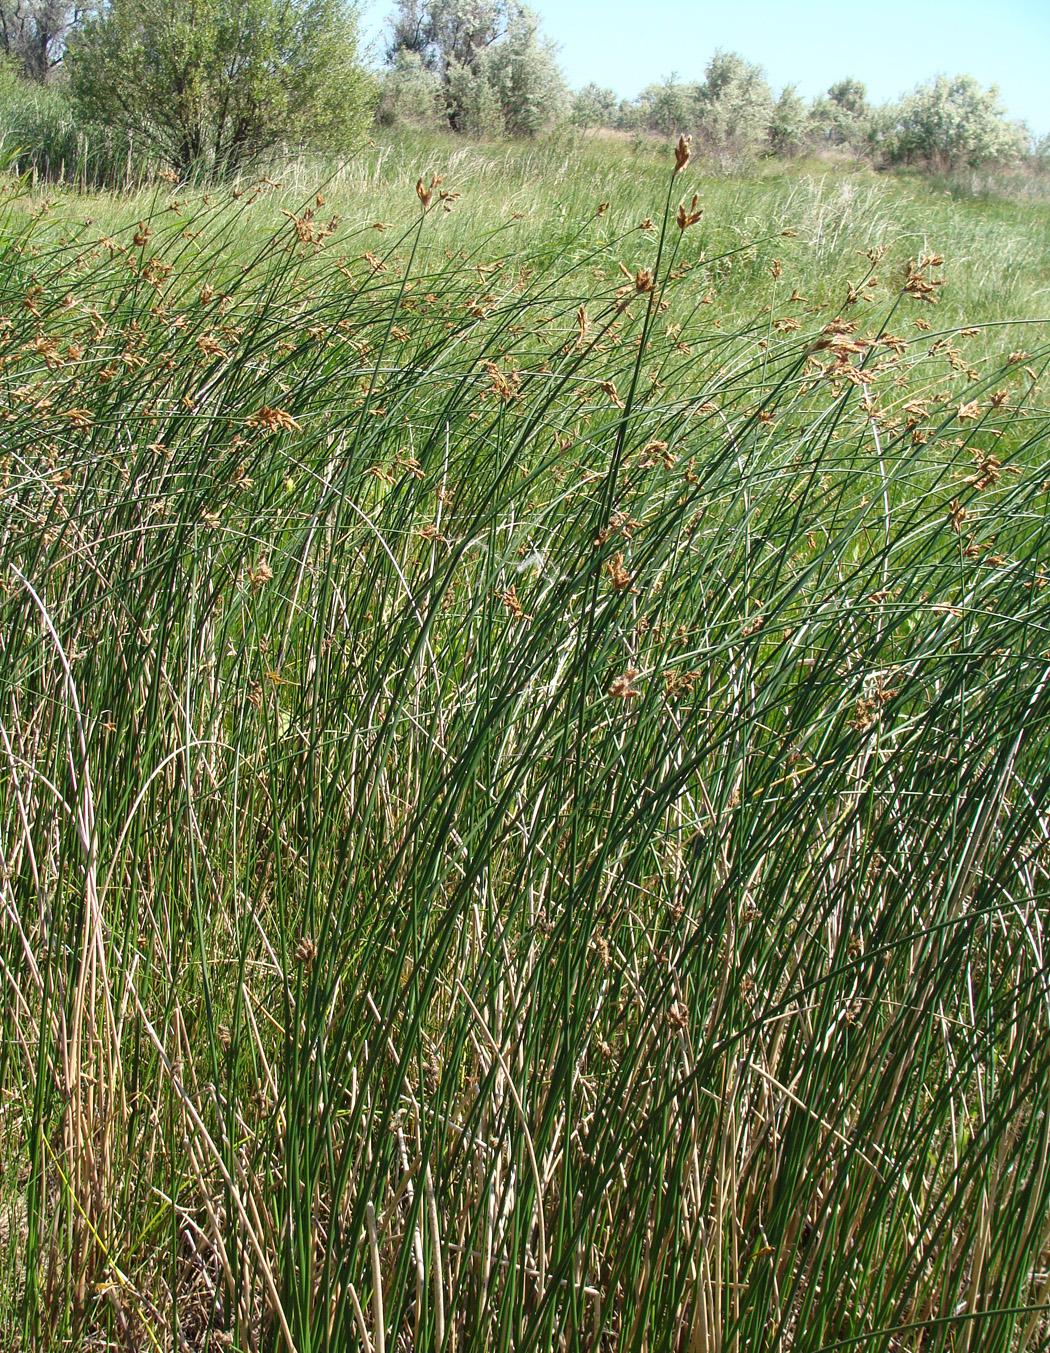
[
  {"x": 957, "y": 514},
  {"x": 309, "y": 231},
  {"x": 503, "y": 384},
  {"x": 639, "y": 283},
  {"x": 432, "y": 962},
  {"x": 656, "y": 452}
]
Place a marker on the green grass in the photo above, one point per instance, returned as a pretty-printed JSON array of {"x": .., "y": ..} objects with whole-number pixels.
[{"x": 525, "y": 794}]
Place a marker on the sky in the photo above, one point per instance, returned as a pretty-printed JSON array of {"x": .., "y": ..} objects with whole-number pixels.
[{"x": 892, "y": 46}]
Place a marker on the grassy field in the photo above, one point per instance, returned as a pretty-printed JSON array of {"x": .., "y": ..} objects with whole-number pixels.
[{"x": 525, "y": 761}]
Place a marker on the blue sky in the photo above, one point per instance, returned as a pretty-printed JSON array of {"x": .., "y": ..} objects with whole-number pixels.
[{"x": 891, "y": 45}]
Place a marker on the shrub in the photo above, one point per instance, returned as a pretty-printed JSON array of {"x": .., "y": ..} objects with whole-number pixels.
[
  {"x": 789, "y": 124},
  {"x": 842, "y": 117},
  {"x": 595, "y": 106},
  {"x": 734, "y": 107},
  {"x": 209, "y": 85},
  {"x": 524, "y": 76},
  {"x": 950, "y": 124},
  {"x": 410, "y": 93},
  {"x": 666, "y": 108},
  {"x": 471, "y": 105}
]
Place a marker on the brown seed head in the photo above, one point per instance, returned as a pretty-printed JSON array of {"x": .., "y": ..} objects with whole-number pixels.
[
  {"x": 689, "y": 216},
  {"x": 510, "y": 599},
  {"x": 622, "y": 687},
  {"x": 424, "y": 193},
  {"x": 681, "y": 154},
  {"x": 619, "y": 574},
  {"x": 957, "y": 514},
  {"x": 272, "y": 420},
  {"x": 260, "y": 575}
]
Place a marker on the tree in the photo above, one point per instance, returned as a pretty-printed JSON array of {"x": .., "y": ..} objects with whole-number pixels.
[
  {"x": 34, "y": 33},
  {"x": 951, "y": 123},
  {"x": 471, "y": 105},
  {"x": 448, "y": 30},
  {"x": 523, "y": 73},
  {"x": 788, "y": 123},
  {"x": 410, "y": 93},
  {"x": 211, "y": 84},
  {"x": 851, "y": 96},
  {"x": 843, "y": 116},
  {"x": 734, "y": 106},
  {"x": 497, "y": 73},
  {"x": 594, "y": 106},
  {"x": 668, "y": 107}
]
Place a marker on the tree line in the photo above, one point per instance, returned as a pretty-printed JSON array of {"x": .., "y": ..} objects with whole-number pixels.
[
  {"x": 947, "y": 123},
  {"x": 482, "y": 66},
  {"x": 210, "y": 85}
]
